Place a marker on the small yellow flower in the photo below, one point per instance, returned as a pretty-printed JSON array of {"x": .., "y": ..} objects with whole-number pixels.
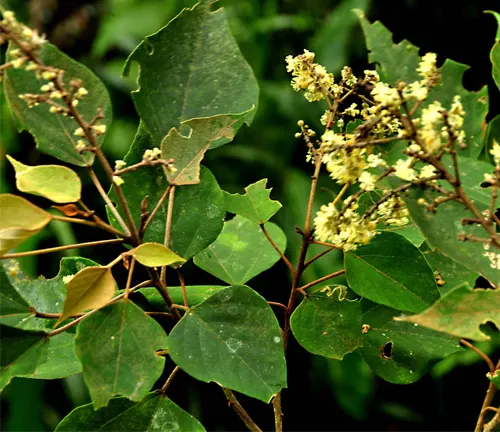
[
  {"x": 100, "y": 129},
  {"x": 118, "y": 181},
  {"x": 79, "y": 132},
  {"x": 81, "y": 92},
  {"x": 48, "y": 75}
]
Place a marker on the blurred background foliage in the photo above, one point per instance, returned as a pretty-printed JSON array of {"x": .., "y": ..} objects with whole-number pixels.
[{"x": 323, "y": 394}]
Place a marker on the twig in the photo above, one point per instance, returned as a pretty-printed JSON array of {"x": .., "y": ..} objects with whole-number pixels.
[
  {"x": 490, "y": 363},
  {"x": 183, "y": 287},
  {"x": 238, "y": 409},
  {"x": 168, "y": 227},
  {"x": 97, "y": 224},
  {"x": 62, "y": 248},
  {"x": 308, "y": 263},
  {"x": 281, "y": 305},
  {"x": 277, "y": 249},
  {"x": 157, "y": 207},
  {"x": 278, "y": 414},
  {"x": 322, "y": 279},
  {"x": 492, "y": 388},
  {"x": 113, "y": 300},
  {"x": 129, "y": 277},
  {"x": 169, "y": 380}
]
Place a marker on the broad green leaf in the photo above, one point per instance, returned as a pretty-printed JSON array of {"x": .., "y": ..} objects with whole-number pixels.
[
  {"x": 393, "y": 272},
  {"x": 442, "y": 230},
  {"x": 494, "y": 377},
  {"x": 127, "y": 340},
  {"x": 198, "y": 213},
  {"x": 409, "y": 231},
  {"x": 399, "y": 62},
  {"x": 451, "y": 273},
  {"x": 189, "y": 69},
  {"x": 19, "y": 220},
  {"x": 242, "y": 251},
  {"x": 156, "y": 412},
  {"x": 461, "y": 312},
  {"x": 54, "y": 134},
  {"x": 195, "y": 294},
  {"x": 155, "y": 255},
  {"x": 495, "y": 51},
  {"x": 188, "y": 150},
  {"x": 21, "y": 352},
  {"x": 232, "y": 338},
  {"x": 255, "y": 204},
  {"x": 331, "y": 41},
  {"x": 328, "y": 325},
  {"x": 399, "y": 352},
  {"x": 12, "y": 305},
  {"x": 54, "y": 182},
  {"x": 90, "y": 288}
]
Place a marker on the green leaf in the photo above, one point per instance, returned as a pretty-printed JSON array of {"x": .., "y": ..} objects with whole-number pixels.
[
  {"x": 331, "y": 42},
  {"x": 393, "y": 272},
  {"x": 495, "y": 51},
  {"x": 232, "y": 338},
  {"x": 399, "y": 352},
  {"x": 492, "y": 133},
  {"x": 14, "y": 229},
  {"x": 155, "y": 412},
  {"x": 54, "y": 133},
  {"x": 461, "y": 312},
  {"x": 242, "y": 251},
  {"x": 191, "y": 68},
  {"x": 198, "y": 213},
  {"x": 255, "y": 204},
  {"x": 189, "y": 150},
  {"x": 155, "y": 255},
  {"x": 328, "y": 325},
  {"x": 494, "y": 377},
  {"x": 127, "y": 340},
  {"x": 442, "y": 230},
  {"x": 21, "y": 352},
  {"x": 90, "y": 288},
  {"x": 12, "y": 305},
  {"x": 451, "y": 273},
  {"x": 399, "y": 62},
  {"x": 195, "y": 294},
  {"x": 54, "y": 182}
]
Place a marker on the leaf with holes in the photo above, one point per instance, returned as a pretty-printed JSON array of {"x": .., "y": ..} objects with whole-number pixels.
[
  {"x": 126, "y": 363},
  {"x": 399, "y": 62},
  {"x": 198, "y": 213},
  {"x": 14, "y": 229},
  {"x": 90, "y": 288},
  {"x": 255, "y": 204},
  {"x": 189, "y": 150},
  {"x": 195, "y": 294},
  {"x": 242, "y": 251},
  {"x": 54, "y": 182},
  {"x": 189, "y": 69},
  {"x": 53, "y": 133},
  {"x": 155, "y": 255},
  {"x": 393, "y": 272},
  {"x": 328, "y": 325},
  {"x": 155, "y": 412},
  {"x": 232, "y": 338},
  {"x": 399, "y": 352},
  {"x": 461, "y": 312}
]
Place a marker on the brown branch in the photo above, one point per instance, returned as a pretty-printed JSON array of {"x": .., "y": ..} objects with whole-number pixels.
[
  {"x": 322, "y": 279},
  {"x": 488, "y": 361},
  {"x": 183, "y": 287},
  {"x": 168, "y": 227},
  {"x": 157, "y": 207},
  {"x": 278, "y": 414},
  {"x": 97, "y": 224},
  {"x": 62, "y": 248},
  {"x": 129, "y": 277},
  {"x": 308, "y": 263},
  {"x": 277, "y": 249},
  {"x": 238, "y": 409},
  {"x": 490, "y": 393},
  {"x": 280, "y": 305},
  {"x": 169, "y": 380}
]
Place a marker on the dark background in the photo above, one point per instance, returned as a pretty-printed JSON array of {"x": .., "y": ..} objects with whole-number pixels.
[{"x": 322, "y": 394}]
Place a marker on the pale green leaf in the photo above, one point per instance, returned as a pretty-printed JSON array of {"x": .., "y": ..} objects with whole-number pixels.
[
  {"x": 232, "y": 338},
  {"x": 19, "y": 220},
  {"x": 393, "y": 272},
  {"x": 189, "y": 69},
  {"x": 461, "y": 312},
  {"x": 126, "y": 364},
  {"x": 255, "y": 204},
  {"x": 241, "y": 251},
  {"x": 155, "y": 255},
  {"x": 195, "y": 294},
  {"x": 204, "y": 134},
  {"x": 54, "y": 182}
]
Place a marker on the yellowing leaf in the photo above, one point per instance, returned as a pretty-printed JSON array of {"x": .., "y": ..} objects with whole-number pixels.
[
  {"x": 156, "y": 255},
  {"x": 19, "y": 219},
  {"x": 57, "y": 183},
  {"x": 90, "y": 288},
  {"x": 461, "y": 312}
]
